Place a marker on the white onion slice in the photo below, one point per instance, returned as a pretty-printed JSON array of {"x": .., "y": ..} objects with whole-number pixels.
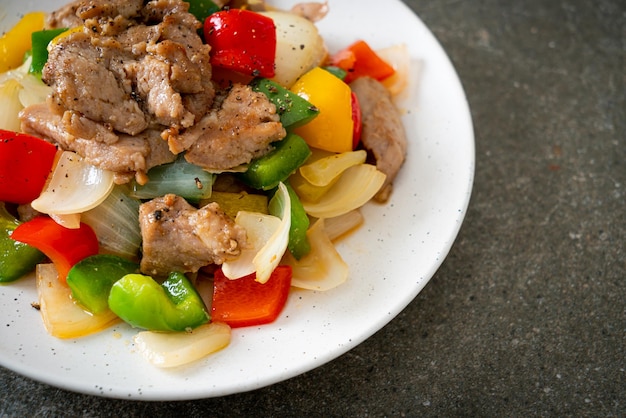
[
  {"x": 19, "y": 89},
  {"x": 116, "y": 223},
  {"x": 399, "y": 58},
  {"x": 272, "y": 235},
  {"x": 71, "y": 221},
  {"x": 299, "y": 47},
  {"x": 356, "y": 186},
  {"x": 171, "y": 349},
  {"x": 340, "y": 225},
  {"x": 34, "y": 90},
  {"x": 325, "y": 170},
  {"x": 270, "y": 255},
  {"x": 74, "y": 187},
  {"x": 62, "y": 317},
  {"x": 322, "y": 268},
  {"x": 10, "y": 105},
  {"x": 259, "y": 230}
]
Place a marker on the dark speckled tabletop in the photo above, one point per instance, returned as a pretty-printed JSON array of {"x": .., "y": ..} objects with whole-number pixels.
[{"x": 527, "y": 315}]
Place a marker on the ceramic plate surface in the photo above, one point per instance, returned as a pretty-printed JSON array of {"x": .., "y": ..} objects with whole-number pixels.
[{"x": 391, "y": 257}]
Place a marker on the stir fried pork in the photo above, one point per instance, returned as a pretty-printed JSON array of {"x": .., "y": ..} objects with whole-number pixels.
[
  {"x": 132, "y": 66},
  {"x": 131, "y": 89},
  {"x": 134, "y": 70},
  {"x": 64, "y": 17},
  {"x": 126, "y": 156},
  {"x": 383, "y": 133},
  {"x": 240, "y": 127},
  {"x": 178, "y": 237},
  {"x": 82, "y": 84}
]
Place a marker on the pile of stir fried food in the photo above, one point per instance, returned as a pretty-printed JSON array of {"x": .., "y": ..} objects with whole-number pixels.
[{"x": 179, "y": 166}]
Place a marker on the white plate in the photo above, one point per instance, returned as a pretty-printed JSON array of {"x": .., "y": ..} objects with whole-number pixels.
[{"x": 392, "y": 256}]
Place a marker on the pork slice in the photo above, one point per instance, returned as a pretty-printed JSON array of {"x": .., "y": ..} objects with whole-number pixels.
[
  {"x": 64, "y": 17},
  {"x": 159, "y": 150},
  {"x": 162, "y": 101},
  {"x": 78, "y": 125},
  {"x": 383, "y": 133},
  {"x": 191, "y": 72},
  {"x": 185, "y": 75},
  {"x": 109, "y": 18},
  {"x": 128, "y": 9},
  {"x": 171, "y": 81},
  {"x": 160, "y": 10},
  {"x": 82, "y": 82},
  {"x": 135, "y": 39},
  {"x": 128, "y": 155},
  {"x": 239, "y": 129},
  {"x": 172, "y": 72},
  {"x": 178, "y": 237}
]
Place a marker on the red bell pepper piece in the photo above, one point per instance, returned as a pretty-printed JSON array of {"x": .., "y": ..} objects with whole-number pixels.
[
  {"x": 242, "y": 41},
  {"x": 245, "y": 302},
  {"x": 360, "y": 60},
  {"x": 356, "y": 120},
  {"x": 25, "y": 162},
  {"x": 63, "y": 246}
]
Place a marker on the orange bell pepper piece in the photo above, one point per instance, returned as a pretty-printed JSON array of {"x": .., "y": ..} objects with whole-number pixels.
[{"x": 360, "y": 60}]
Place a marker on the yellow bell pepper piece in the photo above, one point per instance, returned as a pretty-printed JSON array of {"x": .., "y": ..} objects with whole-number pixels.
[
  {"x": 15, "y": 43},
  {"x": 332, "y": 129},
  {"x": 62, "y": 35}
]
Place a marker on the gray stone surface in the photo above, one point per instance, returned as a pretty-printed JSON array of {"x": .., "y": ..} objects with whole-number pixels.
[{"x": 527, "y": 315}]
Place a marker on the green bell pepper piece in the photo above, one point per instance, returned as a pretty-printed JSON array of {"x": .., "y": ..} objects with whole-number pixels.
[
  {"x": 40, "y": 40},
  {"x": 340, "y": 73},
  {"x": 91, "y": 279},
  {"x": 267, "y": 171},
  {"x": 16, "y": 258},
  {"x": 298, "y": 245},
  {"x": 293, "y": 110},
  {"x": 201, "y": 9},
  {"x": 174, "y": 305}
]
